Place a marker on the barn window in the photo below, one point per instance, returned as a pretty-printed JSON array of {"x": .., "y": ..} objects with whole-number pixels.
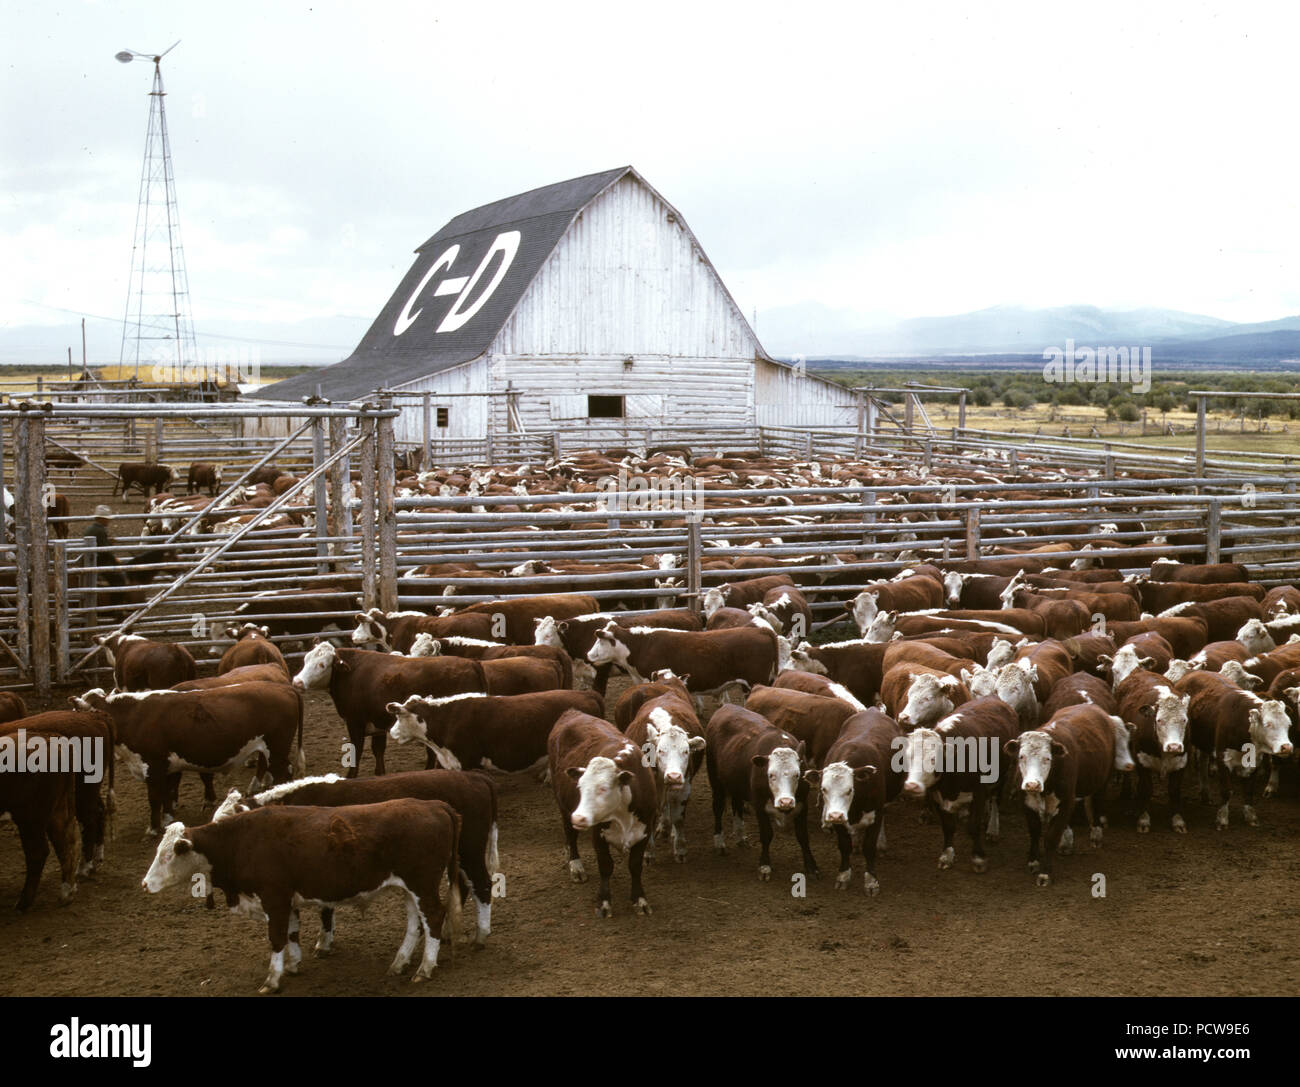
[
  {"x": 442, "y": 416},
  {"x": 604, "y": 407}
]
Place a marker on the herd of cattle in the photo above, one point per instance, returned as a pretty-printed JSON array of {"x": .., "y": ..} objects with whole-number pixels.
[{"x": 970, "y": 681}]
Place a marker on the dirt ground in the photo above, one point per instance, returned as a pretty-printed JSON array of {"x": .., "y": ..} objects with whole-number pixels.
[{"x": 1205, "y": 914}]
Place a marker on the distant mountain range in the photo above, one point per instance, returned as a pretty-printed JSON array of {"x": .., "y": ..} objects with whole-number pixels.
[{"x": 818, "y": 331}]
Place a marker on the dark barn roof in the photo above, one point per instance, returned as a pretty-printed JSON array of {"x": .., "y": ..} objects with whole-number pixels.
[{"x": 385, "y": 358}]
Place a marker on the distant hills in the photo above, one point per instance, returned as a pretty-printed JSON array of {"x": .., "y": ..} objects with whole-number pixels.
[{"x": 819, "y": 331}]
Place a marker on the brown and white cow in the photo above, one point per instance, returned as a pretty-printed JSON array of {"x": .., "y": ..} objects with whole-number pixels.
[
  {"x": 472, "y": 794},
  {"x": 1223, "y": 618},
  {"x": 1238, "y": 732},
  {"x": 916, "y": 696},
  {"x": 492, "y": 732},
  {"x": 214, "y": 731},
  {"x": 362, "y": 683},
  {"x": 1157, "y": 713},
  {"x": 785, "y": 609},
  {"x": 203, "y": 474},
  {"x": 577, "y": 635},
  {"x": 751, "y": 761},
  {"x": 276, "y": 860},
  {"x": 426, "y": 645},
  {"x": 249, "y": 673},
  {"x": 157, "y": 477},
  {"x": 143, "y": 665},
  {"x": 740, "y": 594},
  {"x": 514, "y": 621},
  {"x": 1215, "y": 574},
  {"x": 792, "y": 679},
  {"x": 958, "y": 762},
  {"x": 252, "y": 646},
  {"x": 812, "y": 719},
  {"x": 397, "y": 630},
  {"x": 1071, "y": 756},
  {"x": 1013, "y": 683},
  {"x": 859, "y": 778},
  {"x": 668, "y": 733},
  {"x": 602, "y": 784},
  {"x": 712, "y": 660},
  {"x": 43, "y": 808},
  {"x": 1078, "y": 689}
]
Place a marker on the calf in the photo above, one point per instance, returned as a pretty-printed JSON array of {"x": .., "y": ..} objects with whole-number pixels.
[
  {"x": 668, "y": 734},
  {"x": 957, "y": 762},
  {"x": 252, "y": 646},
  {"x": 157, "y": 477},
  {"x": 713, "y": 660},
  {"x": 142, "y": 665},
  {"x": 751, "y": 761},
  {"x": 492, "y": 732},
  {"x": 858, "y": 779},
  {"x": 1233, "y": 728},
  {"x": 210, "y": 732},
  {"x": 278, "y": 859},
  {"x": 1157, "y": 714},
  {"x": 203, "y": 474},
  {"x": 363, "y": 684},
  {"x": 1069, "y": 757},
  {"x": 473, "y": 795},
  {"x": 812, "y": 719},
  {"x": 601, "y": 783}
]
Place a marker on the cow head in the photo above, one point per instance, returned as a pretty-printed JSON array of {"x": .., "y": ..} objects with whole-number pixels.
[
  {"x": 837, "y": 782},
  {"x": 417, "y": 719},
  {"x": 1008, "y": 595},
  {"x": 952, "y": 586},
  {"x": 782, "y": 767},
  {"x": 882, "y": 628},
  {"x": 370, "y": 628},
  {"x": 1270, "y": 727},
  {"x": 714, "y": 599},
  {"x": 175, "y": 861},
  {"x": 801, "y": 660},
  {"x": 929, "y": 698},
  {"x": 918, "y": 755},
  {"x": 248, "y": 630},
  {"x": 1168, "y": 717},
  {"x": 1255, "y": 638},
  {"x": 607, "y": 648},
  {"x": 864, "y": 608},
  {"x": 1235, "y": 672},
  {"x": 548, "y": 630},
  {"x": 93, "y": 700},
  {"x": 1034, "y": 752},
  {"x": 1002, "y": 652},
  {"x": 604, "y": 790},
  {"x": 425, "y": 645},
  {"x": 673, "y": 748},
  {"x": 765, "y": 616},
  {"x": 1123, "y": 732},
  {"x": 1125, "y": 662},
  {"x": 317, "y": 667},
  {"x": 982, "y": 682},
  {"x": 1179, "y": 668}
]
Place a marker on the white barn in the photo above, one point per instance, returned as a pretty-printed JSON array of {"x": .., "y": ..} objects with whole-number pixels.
[{"x": 594, "y": 304}]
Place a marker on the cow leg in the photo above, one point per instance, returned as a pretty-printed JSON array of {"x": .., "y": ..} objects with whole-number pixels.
[
  {"x": 576, "y": 871},
  {"x": 1095, "y": 807},
  {"x": 294, "y": 959},
  {"x": 872, "y": 836},
  {"x": 378, "y": 745},
  {"x": 1274, "y": 776},
  {"x": 979, "y": 862},
  {"x": 1143, "y": 799},
  {"x": 605, "y": 863},
  {"x": 91, "y": 816},
  {"x": 1203, "y": 774},
  {"x": 158, "y": 786},
  {"x": 1034, "y": 822},
  {"x": 949, "y": 823},
  {"x": 277, "y": 767},
  {"x": 719, "y": 805},
  {"x": 738, "y": 823},
  {"x": 601, "y": 681},
  {"x": 325, "y": 941},
  {"x": 677, "y": 821},
  {"x": 409, "y": 941},
  {"x": 35, "y": 851},
  {"x": 844, "y": 840},
  {"x": 1248, "y": 800},
  {"x": 801, "y": 836},
  {"x": 277, "y": 932},
  {"x": 1225, "y": 793},
  {"x": 634, "y": 858},
  {"x": 357, "y": 742},
  {"x": 474, "y": 871},
  {"x": 173, "y": 798},
  {"x": 209, "y": 792},
  {"x": 432, "y": 915},
  {"x": 765, "y": 833},
  {"x": 1056, "y": 828},
  {"x": 1176, "y": 801}
]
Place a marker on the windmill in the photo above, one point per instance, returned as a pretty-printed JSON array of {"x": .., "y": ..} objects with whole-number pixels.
[{"x": 158, "y": 327}]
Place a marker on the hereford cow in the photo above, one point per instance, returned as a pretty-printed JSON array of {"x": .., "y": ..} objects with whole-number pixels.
[
  {"x": 1223, "y": 618},
  {"x": 210, "y": 732},
  {"x": 426, "y": 645},
  {"x": 860, "y": 777},
  {"x": 667, "y": 732},
  {"x": 713, "y": 660},
  {"x": 156, "y": 477},
  {"x": 204, "y": 475},
  {"x": 1069, "y": 757},
  {"x": 278, "y": 859},
  {"x": 1159, "y": 596},
  {"x": 740, "y": 594},
  {"x": 12, "y": 706},
  {"x": 961, "y": 761},
  {"x": 472, "y": 794},
  {"x": 794, "y": 680},
  {"x": 362, "y": 683},
  {"x": 1217, "y": 574},
  {"x": 577, "y": 635},
  {"x": 857, "y": 665},
  {"x": 142, "y": 665},
  {"x": 1185, "y": 634},
  {"x": 515, "y": 620},
  {"x": 751, "y": 761},
  {"x": 812, "y": 719},
  {"x": 785, "y": 610},
  {"x": 252, "y": 646},
  {"x": 915, "y": 696},
  {"x": 1157, "y": 715},
  {"x": 43, "y": 808},
  {"x": 249, "y": 673},
  {"x": 396, "y": 631},
  {"x": 602, "y": 784}
]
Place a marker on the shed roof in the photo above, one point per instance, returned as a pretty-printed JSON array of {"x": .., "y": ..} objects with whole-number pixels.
[{"x": 421, "y": 330}]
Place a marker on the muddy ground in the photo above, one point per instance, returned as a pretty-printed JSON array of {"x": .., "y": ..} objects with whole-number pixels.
[{"x": 1205, "y": 914}]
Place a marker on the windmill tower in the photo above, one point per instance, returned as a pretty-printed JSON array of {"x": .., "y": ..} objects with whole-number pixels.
[{"x": 158, "y": 328}]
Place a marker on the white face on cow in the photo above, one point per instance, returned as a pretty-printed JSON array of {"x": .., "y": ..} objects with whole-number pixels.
[
  {"x": 607, "y": 649},
  {"x": 713, "y": 600},
  {"x": 546, "y": 631},
  {"x": 1127, "y": 661},
  {"x": 1179, "y": 668},
  {"x": 783, "y": 770},
  {"x": 1036, "y": 750},
  {"x": 838, "y": 781},
  {"x": 673, "y": 747},
  {"x": 865, "y": 608},
  {"x": 1003, "y": 652},
  {"x": 365, "y": 633},
  {"x": 881, "y": 628},
  {"x": 952, "y": 583},
  {"x": 928, "y": 699},
  {"x": 604, "y": 791},
  {"x": 1269, "y": 728},
  {"x": 1171, "y": 720},
  {"x": 317, "y": 666},
  {"x": 174, "y": 862},
  {"x": 425, "y": 645},
  {"x": 802, "y": 662},
  {"x": 982, "y": 682},
  {"x": 922, "y": 751},
  {"x": 1255, "y": 638}
]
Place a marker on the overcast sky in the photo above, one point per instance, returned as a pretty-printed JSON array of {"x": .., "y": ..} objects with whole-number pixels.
[{"x": 897, "y": 160}]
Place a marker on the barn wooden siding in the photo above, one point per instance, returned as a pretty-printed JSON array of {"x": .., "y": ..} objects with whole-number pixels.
[{"x": 784, "y": 398}]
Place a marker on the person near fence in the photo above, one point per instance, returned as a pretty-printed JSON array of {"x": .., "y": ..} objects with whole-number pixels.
[{"x": 97, "y": 531}]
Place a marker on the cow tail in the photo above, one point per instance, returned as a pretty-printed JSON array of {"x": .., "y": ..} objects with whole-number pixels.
[
  {"x": 452, "y": 921},
  {"x": 302, "y": 755}
]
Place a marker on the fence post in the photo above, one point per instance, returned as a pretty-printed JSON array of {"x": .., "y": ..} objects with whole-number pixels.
[
  {"x": 158, "y": 440},
  {"x": 319, "y": 494},
  {"x": 1013, "y": 463},
  {"x": 927, "y": 454},
  {"x": 4, "y": 510},
  {"x": 62, "y": 658},
  {"x": 961, "y": 411},
  {"x": 1213, "y": 530},
  {"x": 555, "y": 444},
  {"x": 386, "y": 483},
  {"x": 868, "y": 500},
  {"x": 1200, "y": 437},
  {"x": 428, "y": 432},
  {"x": 369, "y": 571},
  {"x": 1290, "y": 490},
  {"x": 693, "y": 586},
  {"x": 973, "y": 532},
  {"x": 340, "y": 487},
  {"x": 36, "y": 513},
  {"x": 22, "y": 546},
  {"x": 1109, "y": 463}
]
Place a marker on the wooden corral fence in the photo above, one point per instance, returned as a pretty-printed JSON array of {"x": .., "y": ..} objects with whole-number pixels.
[{"x": 339, "y": 536}]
